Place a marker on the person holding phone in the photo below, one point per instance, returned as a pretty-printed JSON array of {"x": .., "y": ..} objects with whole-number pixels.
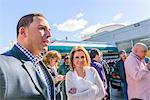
[{"x": 51, "y": 60}]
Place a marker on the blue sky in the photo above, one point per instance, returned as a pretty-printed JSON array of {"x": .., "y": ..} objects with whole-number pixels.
[{"x": 71, "y": 18}]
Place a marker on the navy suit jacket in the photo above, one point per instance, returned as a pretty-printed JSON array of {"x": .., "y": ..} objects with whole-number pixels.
[{"x": 20, "y": 80}]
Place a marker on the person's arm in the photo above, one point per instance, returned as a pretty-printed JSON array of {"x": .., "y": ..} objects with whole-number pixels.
[
  {"x": 133, "y": 68},
  {"x": 89, "y": 93},
  {"x": 148, "y": 66},
  {"x": 98, "y": 67},
  {"x": 101, "y": 94},
  {"x": 59, "y": 79}
]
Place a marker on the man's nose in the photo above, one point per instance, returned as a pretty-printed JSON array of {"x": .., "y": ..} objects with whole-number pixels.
[{"x": 48, "y": 34}]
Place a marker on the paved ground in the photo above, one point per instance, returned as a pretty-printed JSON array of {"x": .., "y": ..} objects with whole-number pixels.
[{"x": 116, "y": 95}]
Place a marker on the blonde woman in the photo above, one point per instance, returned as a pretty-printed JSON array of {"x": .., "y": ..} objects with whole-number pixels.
[
  {"x": 51, "y": 60},
  {"x": 83, "y": 81}
]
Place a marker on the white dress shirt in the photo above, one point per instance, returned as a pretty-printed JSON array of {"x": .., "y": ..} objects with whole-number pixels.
[{"x": 88, "y": 88}]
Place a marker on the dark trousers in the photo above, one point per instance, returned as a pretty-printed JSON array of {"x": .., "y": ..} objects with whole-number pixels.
[
  {"x": 58, "y": 96},
  {"x": 108, "y": 88}
]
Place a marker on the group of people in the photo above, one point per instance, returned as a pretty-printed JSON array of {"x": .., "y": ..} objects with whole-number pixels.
[
  {"x": 135, "y": 73},
  {"x": 26, "y": 73},
  {"x": 85, "y": 78}
]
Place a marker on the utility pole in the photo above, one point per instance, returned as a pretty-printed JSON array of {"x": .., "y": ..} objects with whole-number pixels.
[{"x": 66, "y": 38}]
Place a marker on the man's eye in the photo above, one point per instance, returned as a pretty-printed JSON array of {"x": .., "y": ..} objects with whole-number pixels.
[{"x": 42, "y": 28}]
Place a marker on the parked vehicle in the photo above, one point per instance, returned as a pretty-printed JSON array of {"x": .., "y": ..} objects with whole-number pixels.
[{"x": 115, "y": 78}]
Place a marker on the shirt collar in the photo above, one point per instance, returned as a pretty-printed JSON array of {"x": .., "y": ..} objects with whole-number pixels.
[
  {"x": 132, "y": 53},
  {"x": 33, "y": 59}
]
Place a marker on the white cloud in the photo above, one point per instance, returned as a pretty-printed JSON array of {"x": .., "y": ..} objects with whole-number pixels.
[
  {"x": 79, "y": 15},
  {"x": 117, "y": 17},
  {"x": 71, "y": 25},
  {"x": 91, "y": 29}
]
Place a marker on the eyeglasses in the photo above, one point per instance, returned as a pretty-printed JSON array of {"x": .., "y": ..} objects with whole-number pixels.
[
  {"x": 145, "y": 51},
  {"x": 54, "y": 59}
]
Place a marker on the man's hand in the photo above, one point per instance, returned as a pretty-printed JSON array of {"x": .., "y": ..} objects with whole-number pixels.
[{"x": 148, "y": 66}]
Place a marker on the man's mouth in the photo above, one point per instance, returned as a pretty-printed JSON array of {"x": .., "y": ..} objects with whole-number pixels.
[{"x": 46, "y": 42}]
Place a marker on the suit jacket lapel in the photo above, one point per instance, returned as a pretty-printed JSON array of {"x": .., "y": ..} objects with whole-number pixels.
[
  {"x": 31, "y": 70},
  {"x": 36, "y": 79},
  {"x": 51, "y": 79}
]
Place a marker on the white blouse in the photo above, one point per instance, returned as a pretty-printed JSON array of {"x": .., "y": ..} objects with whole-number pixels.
[{"x": 88, "y": 88}]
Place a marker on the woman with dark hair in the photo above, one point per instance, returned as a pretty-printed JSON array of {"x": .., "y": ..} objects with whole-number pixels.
[{"x": 64, "y": 68}]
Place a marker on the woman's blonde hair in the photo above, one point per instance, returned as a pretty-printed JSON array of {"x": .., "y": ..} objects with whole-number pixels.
[
  {"x": 79, "y": 48},
  {"x": 50, "y": 55}
]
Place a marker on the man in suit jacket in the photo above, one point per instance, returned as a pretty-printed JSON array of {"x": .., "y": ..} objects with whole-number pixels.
[{"x": 23, "y": 76}]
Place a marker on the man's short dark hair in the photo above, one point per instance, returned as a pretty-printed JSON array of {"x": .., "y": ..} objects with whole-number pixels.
[
  {"x": 93, "y": 52},
  {"x": 26, "y": 20}
]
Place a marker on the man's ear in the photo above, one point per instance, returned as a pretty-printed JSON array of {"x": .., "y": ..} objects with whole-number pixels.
[
  {"x": 22, "y": 31},
  {"x": 135, "y": 50}
]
